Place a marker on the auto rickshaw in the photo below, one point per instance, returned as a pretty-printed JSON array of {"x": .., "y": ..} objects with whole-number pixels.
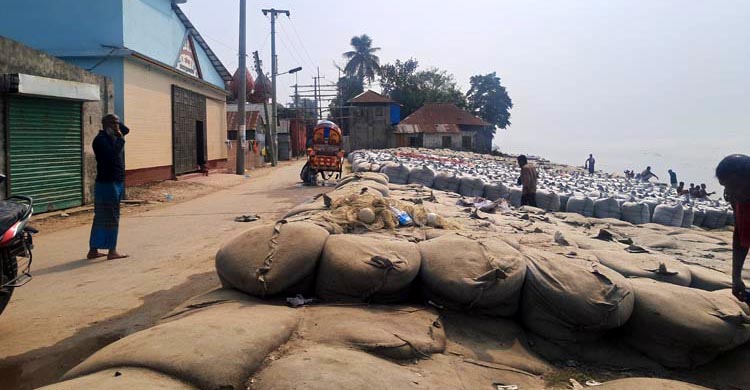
[{"x": 325, "y": 153}]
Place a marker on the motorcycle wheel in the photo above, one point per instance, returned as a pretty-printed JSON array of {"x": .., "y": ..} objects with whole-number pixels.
[{"x": 9, "y": 272}]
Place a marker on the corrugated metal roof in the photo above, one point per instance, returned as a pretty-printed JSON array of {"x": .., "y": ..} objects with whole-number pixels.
[
  {"x": 402, "y": 128},
  {"x": 370, "y": 96},
  {"x": 442, "y": 114},
  {"x": 215, "y": 61},
  {"x": 251, "y": 120}
]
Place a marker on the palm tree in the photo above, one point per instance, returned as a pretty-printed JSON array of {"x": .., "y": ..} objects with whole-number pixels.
[{"x": 362, "y": 62}]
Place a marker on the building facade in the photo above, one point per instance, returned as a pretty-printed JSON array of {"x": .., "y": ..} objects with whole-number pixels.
[
  {"x": 50, "y": 112},
  {"x": 444, "y": 126},
  {"x": 371, "y": 120},
  {"x": 169, "y": 86}
]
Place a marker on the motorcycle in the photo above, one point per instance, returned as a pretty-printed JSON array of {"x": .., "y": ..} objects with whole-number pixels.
[{"x": 16, "y": 244}]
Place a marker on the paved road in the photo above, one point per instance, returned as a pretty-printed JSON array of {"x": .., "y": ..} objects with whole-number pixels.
[{"x": 74, "y": 306}]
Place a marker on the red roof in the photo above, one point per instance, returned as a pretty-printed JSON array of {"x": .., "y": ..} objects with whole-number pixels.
[
  {"x": 251, "y": 120},
  {"x": 445, "y": 114},
  {"x": 370, "y": 96}
]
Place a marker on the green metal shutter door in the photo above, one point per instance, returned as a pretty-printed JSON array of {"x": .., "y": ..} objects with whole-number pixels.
[{"x": 45, "y": 151}]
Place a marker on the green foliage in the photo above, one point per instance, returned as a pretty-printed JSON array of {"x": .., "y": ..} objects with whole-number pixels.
[
  {"x": 403, "y": 82},
  {"x": 362, "y": 61},
  {"x": 489, "y": 100}
]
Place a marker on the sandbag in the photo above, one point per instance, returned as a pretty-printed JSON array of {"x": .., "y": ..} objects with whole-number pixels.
[
  {"x": 397, "y": 174},
  {"x": 446, "y": 182},
  {"x": 367, "y": 268},
  {"x": 707, "y": 279},
  {"x": 698, "y": 216},
  {"x": 685, "y": 327},
  {"x": 471, "y": 186},
  {"x": 648, "y": 384},
  {"x": 212, "y": 348},
  {"x": 395, "y": 332},
  {"x": 668, "y": 215},
  {"x": 688, "y": 216},
  {"x": 372, "y": 185},
  {"x": 515, "y": 197},
  {"x": 730, "y": 218},
  {"x": 496, "y": 191},
  {"x": 358, "y": 165},
  {"x": 607, "y": 208},
  {"x": 651, "y": 207},
  {"x": 564, "y": 202},
  {"x": 645, "y": 265},
  {"x": 547, "y": 200},
  {"x": 424, "y": 176},
  {"x": 636, "y": 213},
  {"x": 714, "y": 219},
  {"x": 314, "y": 206},
  {"x": 122, "y": 378},
  {"x": 582, "y": 206},
  {"x": 569, "y": 300},
  {"x": 363, "y": 176},
  {"x": 270, "y": 259},
  {"x": 482, "y": 275}
]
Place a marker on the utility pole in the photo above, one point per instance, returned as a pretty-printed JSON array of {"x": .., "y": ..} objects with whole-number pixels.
[
  {"x": 267, "y": 129},
  {"x": 318, "y": 93},
  {"x": 242, "y": 94},
  {"x": 274, "y": 71}
]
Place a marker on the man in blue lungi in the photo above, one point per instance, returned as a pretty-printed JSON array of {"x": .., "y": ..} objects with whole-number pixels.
[{"x": 109, "y": 148}]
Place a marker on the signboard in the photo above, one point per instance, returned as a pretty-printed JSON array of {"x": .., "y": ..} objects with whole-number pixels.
[{"x": 186, "y": 61}]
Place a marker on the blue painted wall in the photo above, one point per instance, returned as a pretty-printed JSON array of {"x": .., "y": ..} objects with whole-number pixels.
[
  {"x": 112, "y": 67},
  {"x": 153, "y": 29}
]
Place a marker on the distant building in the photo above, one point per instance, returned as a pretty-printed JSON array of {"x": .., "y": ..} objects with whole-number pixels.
[
  {"x": 444, "y": 125},
  {"x": 371, "y": 117},
  {"x": 169, "y": 86}
]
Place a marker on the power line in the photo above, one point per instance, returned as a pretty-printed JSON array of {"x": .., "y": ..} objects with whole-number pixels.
[
  {"x": 300, "y": 57},
  {"x": 291, "y": 22}
]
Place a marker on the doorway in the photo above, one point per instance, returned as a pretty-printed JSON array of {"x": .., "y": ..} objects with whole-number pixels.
[{"x": 189, "y": 144}]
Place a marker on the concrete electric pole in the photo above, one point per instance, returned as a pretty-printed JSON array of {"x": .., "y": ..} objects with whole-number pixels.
[
  {"x": 242, "y": 94},
  {"x": 274, "y": 71}
]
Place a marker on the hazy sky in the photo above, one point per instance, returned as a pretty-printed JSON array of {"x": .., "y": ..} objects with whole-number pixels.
[{"x": 670, "y": 77}]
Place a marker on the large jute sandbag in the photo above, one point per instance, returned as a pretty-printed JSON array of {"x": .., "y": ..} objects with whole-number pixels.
[
  {"x": 687, "y": 217},
  {"x": 648, "y": 384},
  {"x": 708, "y": 279},
  {"x": 646, "y": 265},
  {"x": 636, "y": 213},
  {"x": 582, "y": 206},
  {"x": 367, "y": 268},
  {"x": 122, "y": 378},
  {"x": 668, "y": 215},
  {"x": 398, "y": 174},
  {"x": 564, "y": 202},
  {"x": 607, "y": 208},
  {"x": 515, "y": 197},
  {"x": 446, "y": 182},
  {"x": 496, "y": 191},
  {"x": 396, "y": 332},
  {"x": 685, "y": 327},
  {"x": 471, "y": 186},
  {"x": 212, "y": 348},
  {"x": 714, "y": 218},
  {"x": 372, "y": 185},
  {"x": 270, "y": 259},
  {"x": 358, "y": 165},
  {"x": 547, "y": 200},
  {"x": 651, "y": 203},
  {"x": 363, "y": 176},
  {"x": 568, "y": 300},
  {"x": 698, "y": 216},
  {"x": 424, "y": 176},
  {"x": 314, "y": 206},
  {"x": 483, "y": 275}
]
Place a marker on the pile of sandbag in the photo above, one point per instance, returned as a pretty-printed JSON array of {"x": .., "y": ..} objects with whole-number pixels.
[
  {"x": 636, "y": 213},
  {"x": 669, "y": 215}
]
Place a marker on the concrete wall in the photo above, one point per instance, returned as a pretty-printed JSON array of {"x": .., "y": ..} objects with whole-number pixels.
[
  {"x": 17, "y": 58},
  {"x": 369, "y": 127},
  {"x": 148, "y": 112},
  {"x": 435, "y": 141}
]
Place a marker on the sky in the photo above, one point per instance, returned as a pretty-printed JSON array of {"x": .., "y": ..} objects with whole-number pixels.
[{"x": 665, "y": 83}]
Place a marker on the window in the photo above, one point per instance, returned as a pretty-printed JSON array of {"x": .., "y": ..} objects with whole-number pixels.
[
  {"x": 466, "y": 142},
  {"x": 447, "y": 141},
  {"x": 414, "y": 142}
]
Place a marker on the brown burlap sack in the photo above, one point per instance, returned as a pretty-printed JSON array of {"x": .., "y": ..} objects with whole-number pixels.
[
  {"x": 216, "y": 347},
  {"x": 367, "y": 268},
  {"x": 646, "y": 265},
  {"x": 372, "y": 185},
  {"x": 648, "y": 384},
  {"x": 570, "y": 300},
  {"x": 316, "y": 206},
  {"x": 685, "y": 327},
  {"x": 707, "y": 279},
  {"x": 122, "y": 378},
  {"x": 482, "y": 275},
  {"x": 381, "y": 178},
  {"x": 396, "y": 332},
  {"x": 271, "y": 259}
]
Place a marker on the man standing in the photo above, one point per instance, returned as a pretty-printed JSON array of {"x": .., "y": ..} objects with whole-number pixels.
[
  {"x": 590, "y": 164},
  {"x": 733, "y": 173},
  {"x": 109, "y": 148},
  {"x": 528, "y": 180},
  {"x": 673, "y": 178}
]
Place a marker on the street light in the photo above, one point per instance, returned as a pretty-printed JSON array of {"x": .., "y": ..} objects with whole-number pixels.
[{"x": 290, "y": 71}]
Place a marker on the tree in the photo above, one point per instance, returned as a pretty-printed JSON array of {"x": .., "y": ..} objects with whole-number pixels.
[
  {"x": 489, "y": 100},
  {"x": 362, "y": 62},
  {"x": 403, "y": 82},
  {"x": 348, "y": 87}
]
